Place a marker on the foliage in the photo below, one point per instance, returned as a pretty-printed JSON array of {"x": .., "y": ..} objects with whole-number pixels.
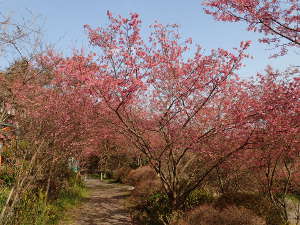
[
  {"x": 163, "y": 103},
  {"x": 198, "y": 197},
  {"x": 152, "y": 206},
  {"x": 155, "y": 210},
  {"x": 33, "y": 207},
  {"x": 276, "y": 19},
  {"x": 7, "y": 176},
  {"x": 67, "y": 198},
  {"x": 182, "y": 96}
]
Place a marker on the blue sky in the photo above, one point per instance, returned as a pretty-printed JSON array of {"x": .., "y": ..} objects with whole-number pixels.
[{"x": 62, "y": 23}]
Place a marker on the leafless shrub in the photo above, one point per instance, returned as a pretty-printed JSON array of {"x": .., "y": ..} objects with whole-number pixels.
[
  {"x": 121, "y": 174},
  {"x": 140, "y": 175},
  {"x": 207, "y": 215}
]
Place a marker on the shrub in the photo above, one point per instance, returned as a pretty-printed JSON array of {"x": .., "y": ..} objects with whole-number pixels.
[
  {"x": 154, "y": 211},
  {"x": 198, "y": 197},
  {"x": 208, "y": 215},
  {"x": 7, "y": 176},
  {"x": 254, "y": 202},
  {"x": 250, "y": 201},
  {"x": 144, "y": 190},
  {"x": 151, "y": 207},
  {"x": 121, "y": 174},
  {"x": 141, "y": 174},
  {"x": 146, "y": 184},
  {"x": 33, "y": 207}
]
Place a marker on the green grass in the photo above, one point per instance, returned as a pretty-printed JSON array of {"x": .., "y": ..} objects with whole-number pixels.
[
  {"x": 111, "y": 181},
  {"x": 32, "y": 210},
  {"x": 56, "y": 211},
  {"x": 94, "y": 176},
  {"x": 107, "y": 179},
  {"x": 294, "y": 197},
  {"x": 4, "y": 192}
]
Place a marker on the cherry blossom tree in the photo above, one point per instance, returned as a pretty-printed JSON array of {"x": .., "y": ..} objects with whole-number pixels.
[
  {"x": 278, "y": 20},
  {"x": 276, "y": 104},
  {"x": 168, "y": 101}
]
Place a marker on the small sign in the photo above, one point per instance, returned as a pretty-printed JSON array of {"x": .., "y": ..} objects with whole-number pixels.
[{"x": 73, "y": 164}]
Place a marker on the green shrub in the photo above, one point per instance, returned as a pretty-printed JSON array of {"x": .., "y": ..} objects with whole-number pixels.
[
  {"x": 155, "y": 211},
  {"x": 7, "y": 176},
  {"x": 198, "y": 197}
]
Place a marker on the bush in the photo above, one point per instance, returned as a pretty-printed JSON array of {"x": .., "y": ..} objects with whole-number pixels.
[
  {"x": 250, "y": 201},
  {"x": 141, "y": 174},
  {"x": 208, "y": 215},
  {"x": 146, "y": 183},
  {"x": 144, "y": 190},
  {"x": 7, "y": 176},
  {"x": 154, "y": 211},
  {"x": 120, "y": 175},
  {"x": 198, "y": 197},
  {"x": 151, "y": 207},
  {"x": 254, "y": 202},
  {"x": 34, "y": 206}
]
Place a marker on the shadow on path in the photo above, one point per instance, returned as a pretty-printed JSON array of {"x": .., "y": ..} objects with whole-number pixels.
[{"x": 104, "y": 206}]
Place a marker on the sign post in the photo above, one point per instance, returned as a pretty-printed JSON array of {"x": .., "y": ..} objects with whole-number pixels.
[{"x": 74, "y": 164}]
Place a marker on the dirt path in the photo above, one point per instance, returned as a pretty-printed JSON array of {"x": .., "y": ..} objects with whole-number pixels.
[
  {"x": 104, "y": 206},
  {"x": 293, "y": 210}
]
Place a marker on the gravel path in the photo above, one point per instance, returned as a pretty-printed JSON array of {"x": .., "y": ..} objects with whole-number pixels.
[{"x": 104, "y": 206}]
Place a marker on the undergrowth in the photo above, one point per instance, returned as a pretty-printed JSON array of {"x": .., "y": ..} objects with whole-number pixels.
[{"x": 34, "y": 209}]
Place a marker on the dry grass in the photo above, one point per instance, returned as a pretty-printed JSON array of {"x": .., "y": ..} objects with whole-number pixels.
[{"x": 207, "y": 215}]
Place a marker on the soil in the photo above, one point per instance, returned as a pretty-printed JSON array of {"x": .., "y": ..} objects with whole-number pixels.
[{"x": 105, "y": 205}]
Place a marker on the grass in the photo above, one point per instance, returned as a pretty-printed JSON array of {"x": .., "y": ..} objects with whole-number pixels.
[
  {"x": 111, "y": 181},
  {"x": 67, "y": 200},
  {"x": 107, "y": 179},
  {"x": 4, "y": 192},
  {"x": 294, "y": 197},
  {"x": 32, "y": 209}
]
